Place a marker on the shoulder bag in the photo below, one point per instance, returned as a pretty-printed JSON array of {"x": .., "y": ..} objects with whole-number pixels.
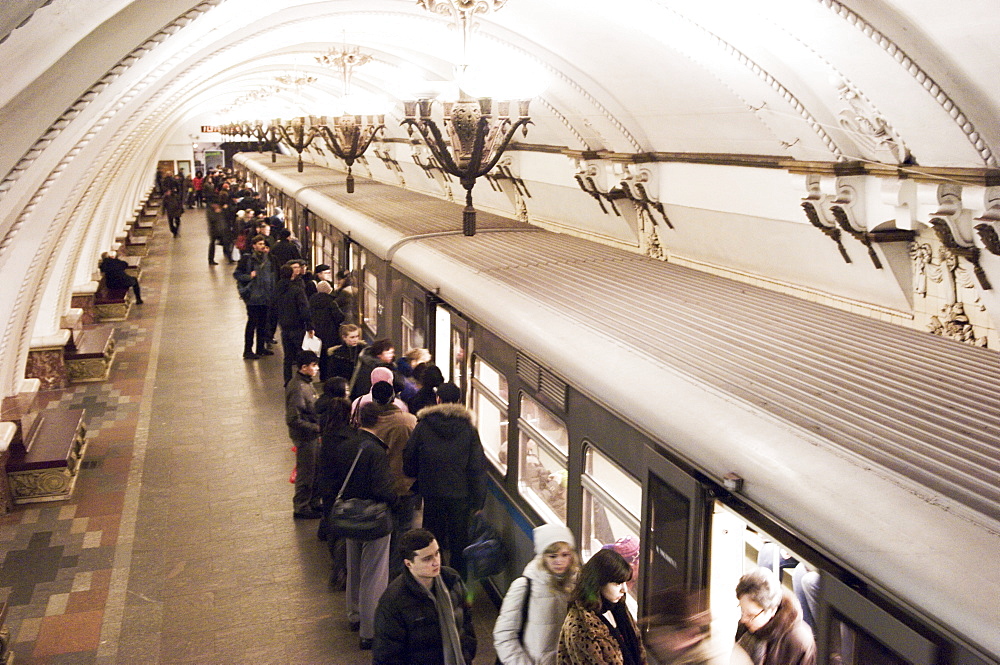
[{"x": 358, "y": 519}]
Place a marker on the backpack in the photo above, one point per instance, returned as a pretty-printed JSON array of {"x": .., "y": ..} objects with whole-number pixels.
[{"x": 524, "y": 613}]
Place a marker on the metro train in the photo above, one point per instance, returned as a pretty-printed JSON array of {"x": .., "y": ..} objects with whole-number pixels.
[{"x": 705, "y": 424}]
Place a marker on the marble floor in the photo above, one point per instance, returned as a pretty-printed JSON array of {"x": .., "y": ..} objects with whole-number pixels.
[{"x": 178, "y": 545}]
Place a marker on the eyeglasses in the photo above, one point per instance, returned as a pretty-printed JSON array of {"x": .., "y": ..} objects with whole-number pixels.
[{"x": 743, "y": 614}]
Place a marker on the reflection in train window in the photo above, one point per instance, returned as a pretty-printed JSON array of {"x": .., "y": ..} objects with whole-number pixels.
[
  {"x": 852, "y": 646},
  {"x": 611, "y": 499},
  {"x": 542, "y": 463},
  {"x": 371, "y": 300},
  {"x": 407, "y": 323},
  {"x": 489, "y": 402}
]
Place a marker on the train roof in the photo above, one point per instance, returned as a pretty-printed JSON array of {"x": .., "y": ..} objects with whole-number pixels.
[{"x": 876, "y": 444}]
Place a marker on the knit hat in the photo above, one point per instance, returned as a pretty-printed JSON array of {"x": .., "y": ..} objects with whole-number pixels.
[
  {"x": 548, "y": 534},
  {"x": 323, "y": 287},
  {"x": 382, "y": 392},
  {"x": 381, "y": 374},
  {"x": 321, "y": 268}
]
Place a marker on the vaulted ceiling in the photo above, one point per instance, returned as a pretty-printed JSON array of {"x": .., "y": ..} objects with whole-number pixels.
[{"x": 93, "y": 90}]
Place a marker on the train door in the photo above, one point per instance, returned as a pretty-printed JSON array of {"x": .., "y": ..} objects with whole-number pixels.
[
  {"x": 673, "y": 526},
  {"x": 451, "y": 342},
  {"x": 858, "y": 632}
]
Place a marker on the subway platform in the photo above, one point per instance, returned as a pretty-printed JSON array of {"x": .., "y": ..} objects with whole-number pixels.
[{"x": 178, "y": 544}]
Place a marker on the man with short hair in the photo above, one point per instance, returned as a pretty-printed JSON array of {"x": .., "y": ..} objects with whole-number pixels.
[
  {"x": 446, "y": 457},
  {"x": 367, "y": 560},
  {"x": 256, "y": 278},
  {"x": 423, "y": 618},
  {"x": 304, "y": 430}
]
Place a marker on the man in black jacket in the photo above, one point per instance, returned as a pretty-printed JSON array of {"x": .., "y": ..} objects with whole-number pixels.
[
  {"x": 304, "y": 429},
  {"x": 446, "y": 457},
  {"x": 408, "y": 618},
  {"x": 291, "y": 309},
  {"x": 115, "y": 276},
  {"x": 367, "y": 560}
]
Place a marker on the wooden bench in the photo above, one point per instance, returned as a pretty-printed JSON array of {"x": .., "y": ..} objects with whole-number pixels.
[
  {"x": 89, "y": 353},
  {"x": 134, "y": 269},
  {"x": 6, "y": 655},
  {"x": 112, "y": 304},
  {"x": 135, "y": 245},
  {"x": 44, "y": 466}
]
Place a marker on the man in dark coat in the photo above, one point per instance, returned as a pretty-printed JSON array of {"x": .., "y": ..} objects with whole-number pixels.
[
  {"x": 291, "y": 311},
  {"x": 285, "y": 250},
  {"x": 367, "y": 560},
  {"x": 326, "y": 319},
  {"x": 304, "y": 430},
  {"x": 173, "y": 206},
  {"x": 343, "y": 358},
  {"x": 218, "y": 229},
  {"x": 256, "y": 277},
  {"x": 409, "y": 629},
  {"x": 115, "y": 276},
  {"x": 446, "y": 457}
]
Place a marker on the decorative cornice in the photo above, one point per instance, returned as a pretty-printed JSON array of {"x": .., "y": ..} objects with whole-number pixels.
[{"x": 921, "y": 77}]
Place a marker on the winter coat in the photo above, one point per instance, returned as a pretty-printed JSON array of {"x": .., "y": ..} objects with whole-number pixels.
[
  {"x": 258, "y": 290},
  {"x": 173, "y": 204},
  {"x": 585, "y": 640},
  {"x": 394, "y": 427},
  {"x": 370, "y": 478},
  {"x": 114, "y": 273},
  {"x": 361, "y": 380},
  {"x": 406, "y": 622},
  {"x": 445, "y": 455},
  {"x": 326, "y": 317},
  {"x": 291, "y": 307},
  {"x": 217, "y": 225},
  {"x": 342, "y": 360},
  {"x": 784, "y": 640},
  {"x": 300, "y": 409},
  {"x": 328, "y": 469},
  {"x": 546, "y": 613},
  {"x": 284, "y": 251}
]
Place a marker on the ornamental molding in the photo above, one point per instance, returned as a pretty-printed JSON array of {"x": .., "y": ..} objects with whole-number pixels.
[{"x": 919, "y": 75}]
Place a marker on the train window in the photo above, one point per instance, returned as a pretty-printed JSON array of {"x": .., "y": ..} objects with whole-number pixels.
[
  {"x": 369, "y": 300},
  {"x": 852, "y": 646},
  {"x": 610, "y": 499},
  {"x": 489, "y": 402},
  {"x": 543, "y": 460},
  {"x": 406, "y": 321}
]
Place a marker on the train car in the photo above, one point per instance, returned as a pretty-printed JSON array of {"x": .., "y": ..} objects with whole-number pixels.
[{"x": 703, "y": 424}]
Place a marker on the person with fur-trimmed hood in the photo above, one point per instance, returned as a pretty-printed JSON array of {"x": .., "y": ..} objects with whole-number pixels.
[
  {"x": 771, "y": 630},
  {"x": 446, "y": 457}
]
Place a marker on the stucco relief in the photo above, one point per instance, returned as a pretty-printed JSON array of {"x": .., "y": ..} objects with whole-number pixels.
[{"x": 945, "y": 287}]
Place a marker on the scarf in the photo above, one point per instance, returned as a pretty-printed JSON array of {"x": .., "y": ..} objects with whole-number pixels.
[
  {"x": 623, "y": 631},
  {"x": 448, "y": 618}
]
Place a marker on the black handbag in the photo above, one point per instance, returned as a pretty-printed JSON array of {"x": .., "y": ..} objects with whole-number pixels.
[{"x": 358, "y": 519}]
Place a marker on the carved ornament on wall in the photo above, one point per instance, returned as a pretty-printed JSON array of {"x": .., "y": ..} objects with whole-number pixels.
[{"x": 871, "y": 132}]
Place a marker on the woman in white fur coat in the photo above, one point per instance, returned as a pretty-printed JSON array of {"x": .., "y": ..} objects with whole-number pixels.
[{"x": 552, "y": 574}]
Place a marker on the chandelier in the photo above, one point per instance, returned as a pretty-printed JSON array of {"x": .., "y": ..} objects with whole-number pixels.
[
  {"x": 297, "y": 134},
  {"x": 350, "y": 135},
  {"x": 473, "y": 139}
]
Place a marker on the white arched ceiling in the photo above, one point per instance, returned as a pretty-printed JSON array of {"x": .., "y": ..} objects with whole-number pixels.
[{"x": 110, "y": 81}]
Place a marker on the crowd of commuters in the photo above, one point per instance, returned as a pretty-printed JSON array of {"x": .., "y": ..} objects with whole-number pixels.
[{"x": 392, "y": 431}]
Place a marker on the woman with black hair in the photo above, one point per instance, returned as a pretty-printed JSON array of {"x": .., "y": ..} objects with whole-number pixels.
[{"x": 599, "y": 630}]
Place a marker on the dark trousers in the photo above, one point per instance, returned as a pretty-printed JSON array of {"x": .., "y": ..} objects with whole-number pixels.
[
  {"x": 226, "y": 247},
  {"x": 256, "y": 323},
  {"x": 448, "y": 520},
  {"x": 291, "y": 344},
  {"x": 402, "y": 521},
  {"x": 174, "y": 222}
]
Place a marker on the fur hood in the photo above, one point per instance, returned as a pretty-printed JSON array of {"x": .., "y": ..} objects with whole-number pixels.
[{"x": 443, "y": 411}]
